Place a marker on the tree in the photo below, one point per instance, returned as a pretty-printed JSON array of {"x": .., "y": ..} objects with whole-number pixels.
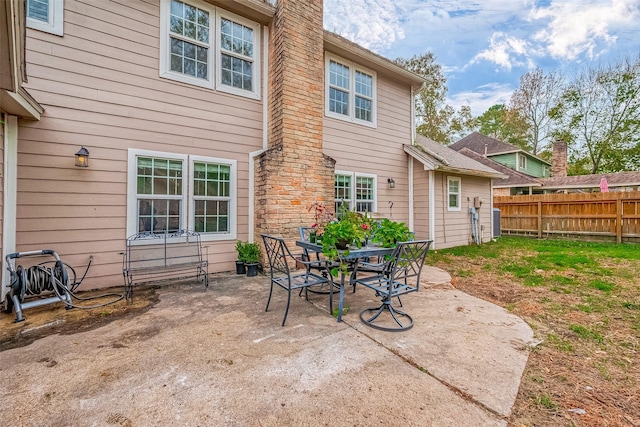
[
  {"x": 533, "y": 99},
  {"x": 599, "y": 114},
  {"x": 504, "y": 124},
  {"x": 436, "y": 119}
]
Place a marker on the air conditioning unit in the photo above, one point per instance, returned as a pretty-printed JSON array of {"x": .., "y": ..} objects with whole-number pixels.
[{"x": 495, "y": 232}]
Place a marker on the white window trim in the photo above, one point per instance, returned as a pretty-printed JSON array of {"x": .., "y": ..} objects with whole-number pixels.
[
  {"x": 132, "y": 185},
  {"x": 523, "y": 158},
  {"x": 187, "y": 220},
  {"x": 255, "y": 93},
  {"x": 354, "y": 175},
  {"x": 459, "y": 194},
  {"x": 165, "y": 46},
  {"x": 233, "y": 213},
  {"x": 214, "y": 77},
  {"x": 353, "y": 67},
  {"x": 55, "y": 24}
]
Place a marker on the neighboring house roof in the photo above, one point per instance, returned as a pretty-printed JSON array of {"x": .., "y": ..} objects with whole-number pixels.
[
  {"x": 513, "y": 179},
  {"x": 617, "y": 179},
  {"x": 436, "y": 156},
  {"x": 483, "y": 144}
]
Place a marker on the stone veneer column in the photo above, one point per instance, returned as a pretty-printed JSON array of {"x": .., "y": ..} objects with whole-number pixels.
[
  {"x": 294, "y": 172},
  {"x": 559, "y": 159}
]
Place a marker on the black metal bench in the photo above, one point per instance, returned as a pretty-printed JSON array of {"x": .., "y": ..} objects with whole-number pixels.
[{"x": 154, "y": 257}]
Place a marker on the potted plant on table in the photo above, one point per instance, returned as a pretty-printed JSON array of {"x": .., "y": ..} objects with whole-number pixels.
[
  {"x": 339, "y": 235},
  {"x": 253, "y": 255},
  {"x": 322, "y": 216},
  {"x": 388, "y": 233}
]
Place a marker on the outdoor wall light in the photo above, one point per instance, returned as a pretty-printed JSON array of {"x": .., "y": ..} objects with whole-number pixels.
[
  {"x": 82, "y": 158},
  {"x": 392, "y": 183}
]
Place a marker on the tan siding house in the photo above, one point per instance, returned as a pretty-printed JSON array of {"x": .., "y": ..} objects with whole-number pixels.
[
  {"x": 452, "y": 195},
  {"x": 206, "y": 115}
]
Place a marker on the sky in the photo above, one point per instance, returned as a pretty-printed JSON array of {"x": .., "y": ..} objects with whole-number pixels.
[{"x": 485, "y": 46}]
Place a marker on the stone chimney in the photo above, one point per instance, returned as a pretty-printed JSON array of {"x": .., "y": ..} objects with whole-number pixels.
[
  {"x": 559, "y": 159},
  {"x": 293, "y": 172}
]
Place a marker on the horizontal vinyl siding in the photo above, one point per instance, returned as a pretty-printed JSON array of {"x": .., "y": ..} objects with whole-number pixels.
[
  {"x": 454, "y": 228},
  {"x": 420, "y": 201},
  {"x": 100, "y": 87},
  {"x": 535, "y": 167},
  {"x": 377, "y": 150},
  {"x": 508, "y": 160},
  {"x": 2, "y": 209}
]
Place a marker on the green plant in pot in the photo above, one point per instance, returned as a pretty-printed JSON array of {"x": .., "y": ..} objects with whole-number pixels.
[
  {"x": 253, "y": 256},
  {"x": 241, "y": 260},
  {"x": 337, "y": 237},
  {"x": 387, "y": 233}
]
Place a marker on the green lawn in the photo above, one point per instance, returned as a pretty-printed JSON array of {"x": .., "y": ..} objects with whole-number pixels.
[{"x": 582, "y": 300}]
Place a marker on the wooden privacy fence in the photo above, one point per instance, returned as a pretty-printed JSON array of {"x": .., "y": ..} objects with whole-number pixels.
[{"x": 591, "y": 216}]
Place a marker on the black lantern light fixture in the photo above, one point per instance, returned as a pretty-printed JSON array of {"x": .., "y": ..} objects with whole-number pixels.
[
  {"x": 392, "y": 183},
  {"x": 82, "y": 158}
]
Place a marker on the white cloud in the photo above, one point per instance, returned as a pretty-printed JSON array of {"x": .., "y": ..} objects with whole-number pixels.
[
  {"x": 580, "y": 27},
  {"x": 482, "y": 97},
  {"x": 373, "y": 24},
  {"x": 506, "y": 51}
]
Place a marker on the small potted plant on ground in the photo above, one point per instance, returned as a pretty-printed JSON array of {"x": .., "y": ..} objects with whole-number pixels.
[
  {"x": 253, "y": 256},
  {"x": 241, "y": 260}
]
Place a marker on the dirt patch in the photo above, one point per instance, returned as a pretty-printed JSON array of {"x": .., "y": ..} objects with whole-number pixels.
[
  {"x": 55, "y": 319},
  {"x": 575, "y": 376}
]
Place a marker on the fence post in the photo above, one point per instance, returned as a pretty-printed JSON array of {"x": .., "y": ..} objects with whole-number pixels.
[
  {"x": 619, "y": 218},
  {"x": 539, "y": 219}
]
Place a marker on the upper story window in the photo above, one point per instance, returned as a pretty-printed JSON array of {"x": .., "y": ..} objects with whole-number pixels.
[
  {"x": 522, "y": 162},
  {"x": 350, "y": 92},
  {"x": 356, "y": 191},
  {"x": 453, "y": 193},
  {"x": 170, "y": 192},
  {"x": 46, "y": 15},
  {"x": 201, "y": 44}
]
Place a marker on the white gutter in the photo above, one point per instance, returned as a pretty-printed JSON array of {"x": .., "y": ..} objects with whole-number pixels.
[
  {"x": 432, "y": 208},
  {"x": 10, "y": 175},
  {"x": 265, "y": 142},
  {"x": 411, "y": 189},
  {"x": 410, "y": 161}
]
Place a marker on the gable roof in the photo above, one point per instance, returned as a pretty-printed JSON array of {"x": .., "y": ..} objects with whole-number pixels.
[
  {"x": 483, "y": 144},
  {"x": 513, "y": 177},
  {"x": 617, "y": 179},
  {"x": 436, "y": 156},
  {"x": 349, "y": 50}
]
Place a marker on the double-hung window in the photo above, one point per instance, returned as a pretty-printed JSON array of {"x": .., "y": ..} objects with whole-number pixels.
[
  {"x": 208, "y": 46},
  {"x": 453, "y": 193},
  {"x": 170, "y": 192},
  {"x": 355, "y": 191},
  {"x": 46, "y": 15},
  {"x": 350, "y": 92},
  {"x": 522, "y": 162}
]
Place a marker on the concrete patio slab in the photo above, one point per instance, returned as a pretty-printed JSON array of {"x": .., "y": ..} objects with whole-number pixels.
[{"x": 216, "y": 357}]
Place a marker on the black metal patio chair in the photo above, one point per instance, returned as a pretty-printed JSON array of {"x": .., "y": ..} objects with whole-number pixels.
[
  {"x": 280, "y": 259},
  {"x": 399, "y": 276}
]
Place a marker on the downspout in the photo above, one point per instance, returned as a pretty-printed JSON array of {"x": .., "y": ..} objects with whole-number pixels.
[
  {"x": 10, "y": 183},
  {"x": 410, "y": 163},
  {"x": 432, "y": 208},
  {"x": 265, "y": 141},
  {"x": 411, "y": 189}
]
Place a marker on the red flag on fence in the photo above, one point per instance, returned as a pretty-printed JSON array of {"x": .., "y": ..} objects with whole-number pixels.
[{"x": 604, "y": 187}]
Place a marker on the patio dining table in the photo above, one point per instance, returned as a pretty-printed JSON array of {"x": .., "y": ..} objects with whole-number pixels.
[{"x": 352, "y": 258}]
